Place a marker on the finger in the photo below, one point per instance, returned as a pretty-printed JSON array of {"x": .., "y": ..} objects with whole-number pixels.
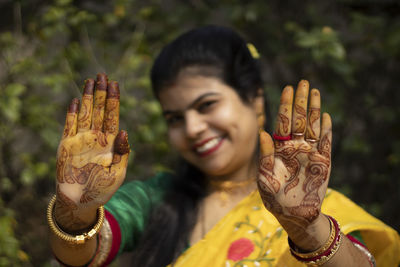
[
  {"x": 267, "y": 161},
  {"x": 314, "y": 114},
  {"x": 325, "y": 144},
  {"x": 86, "y": 111},
  {"x": 299, "y": 118},
  {"x": 283, "y": 120},
  {"x": 121, "y": 154},
  {"x": 266, "y": 146},
  {"x": 99, "y": 102},
  {"x": 71, "y": 119},
  {"x": 111, "y": 115}
]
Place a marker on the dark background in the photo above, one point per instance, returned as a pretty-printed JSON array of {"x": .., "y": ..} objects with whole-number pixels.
[{"x": 348, "y": 49}]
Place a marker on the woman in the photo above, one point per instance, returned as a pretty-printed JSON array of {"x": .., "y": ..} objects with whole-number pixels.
[{"x": 209, "y": 213}]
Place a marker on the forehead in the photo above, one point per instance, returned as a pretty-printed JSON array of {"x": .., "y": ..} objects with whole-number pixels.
[{"x": 188, "y": 88}]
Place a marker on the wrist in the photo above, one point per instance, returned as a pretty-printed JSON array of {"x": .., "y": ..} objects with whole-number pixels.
[
  {"x": 324, "y": 253},
  {"x": 74, "y": 238},
  {"x": 74, "y": 220},
  {"x": 312, "y": 236}
]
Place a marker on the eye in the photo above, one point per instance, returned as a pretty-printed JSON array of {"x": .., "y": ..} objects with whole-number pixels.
[
  {"x": 206, "y": 105},
  {"x": 173, "y": 119}
]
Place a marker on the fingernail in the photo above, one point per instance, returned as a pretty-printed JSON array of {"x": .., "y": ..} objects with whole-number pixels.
[
  {"x": 288, "y": 88},
  {"x": 113, "y": 90},
  {"x": 74, "y": 106},
  {"x": 121, "y": 145},
  {"x": 101, "y": 83},
  {"x": 89, "y": 85}
]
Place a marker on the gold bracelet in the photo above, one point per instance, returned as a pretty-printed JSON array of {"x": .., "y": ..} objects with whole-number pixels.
[
  {"x": 325, "y": 253},
  {"x": 327, "y": 244},
  {"x": 77, "y": 239},
  {"x": 325, "y": 259}
]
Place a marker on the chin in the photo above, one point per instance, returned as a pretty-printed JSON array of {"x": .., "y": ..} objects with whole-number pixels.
[{"x": 214, "y": 169}]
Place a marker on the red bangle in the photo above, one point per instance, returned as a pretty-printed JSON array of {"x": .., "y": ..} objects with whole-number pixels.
[{"x": 281, "y": 138}]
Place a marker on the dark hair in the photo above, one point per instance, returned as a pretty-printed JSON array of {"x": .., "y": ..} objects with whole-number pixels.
[
  {"x": 209, "y": 51},
  {"x": 212, "y": 51}
]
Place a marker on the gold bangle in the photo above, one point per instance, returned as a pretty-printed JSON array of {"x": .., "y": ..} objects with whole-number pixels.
[
  {"x": 327, "y": 251},
  {"x": 327, "y": 244},
  {"x": 77, "y": 239},
  {"x": 325, "y": 259}
]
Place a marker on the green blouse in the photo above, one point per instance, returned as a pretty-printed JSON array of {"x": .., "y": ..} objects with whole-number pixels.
[{"x": 132, "y": 204}]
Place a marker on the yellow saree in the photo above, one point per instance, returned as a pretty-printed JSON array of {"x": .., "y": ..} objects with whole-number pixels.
[{"x": 250, "y": 236}]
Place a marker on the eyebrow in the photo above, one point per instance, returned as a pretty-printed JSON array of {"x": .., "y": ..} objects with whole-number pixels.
[{"x": 191, "y": 105}]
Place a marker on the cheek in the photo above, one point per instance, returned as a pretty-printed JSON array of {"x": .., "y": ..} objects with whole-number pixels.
[
  {"x": 226, "y": 118},
  {"x": 176, "y": 139}
]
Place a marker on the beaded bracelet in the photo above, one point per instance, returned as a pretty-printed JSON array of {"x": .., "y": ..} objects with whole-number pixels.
[
  {"x": 77, "y": 239},
  {"x": 325, "y": 253}
]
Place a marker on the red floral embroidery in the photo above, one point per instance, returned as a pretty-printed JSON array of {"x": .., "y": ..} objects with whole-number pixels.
[{"x": 240, "y": 249}]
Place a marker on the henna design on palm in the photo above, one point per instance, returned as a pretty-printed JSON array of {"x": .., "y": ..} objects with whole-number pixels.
[
  {"x": 92, "y": 156},
  {"x": 101, "y": 139},
  {"x": 99, "y": 180},
  {"x": 288, "y": 154},
  {"x": 301, "y": 169}
]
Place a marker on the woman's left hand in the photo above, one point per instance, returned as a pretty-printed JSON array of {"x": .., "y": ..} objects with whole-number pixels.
[{"x": 294, "y": 168}]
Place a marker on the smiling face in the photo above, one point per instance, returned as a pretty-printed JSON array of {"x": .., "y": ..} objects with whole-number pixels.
[{"x": 210, "y": 126}]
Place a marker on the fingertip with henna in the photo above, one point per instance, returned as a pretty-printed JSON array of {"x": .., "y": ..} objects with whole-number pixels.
[
  {"x": 287, "y": 95},
  {"x": 121, "y": 145},
  {"x": 113, "y": 90},
  {"x": 266, "y": 144},
  {"x": 302, "y": 89},
  {"x": 89, "y": 86},
  {"x": 74, "y": 106},
  {"x": 101, "y": 83},
  {"x": 303, "y": 83}
]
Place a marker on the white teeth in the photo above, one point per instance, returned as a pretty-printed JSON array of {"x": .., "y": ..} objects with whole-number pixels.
[{"x": 210, "y": 144}]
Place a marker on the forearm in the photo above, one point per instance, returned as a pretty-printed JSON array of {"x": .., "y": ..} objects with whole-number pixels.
[
  {"x": 348, "y": 255},
  {"x": 73, "y": 254},
  {"x": 73, "y": 243}
]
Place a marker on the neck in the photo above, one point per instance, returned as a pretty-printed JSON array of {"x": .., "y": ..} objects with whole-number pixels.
[
  {"x": 242, "y": 181},
  {"x": 241, "y": 174}
]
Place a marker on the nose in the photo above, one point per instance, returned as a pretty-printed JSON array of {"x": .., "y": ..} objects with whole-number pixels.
[{"x": 195, "y": 124}]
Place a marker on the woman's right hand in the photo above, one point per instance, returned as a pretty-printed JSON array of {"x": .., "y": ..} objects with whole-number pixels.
[{"x": 92, "y": 156}]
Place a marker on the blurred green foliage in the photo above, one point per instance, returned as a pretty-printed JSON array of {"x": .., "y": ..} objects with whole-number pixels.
[{"x": 348, "y": 49}]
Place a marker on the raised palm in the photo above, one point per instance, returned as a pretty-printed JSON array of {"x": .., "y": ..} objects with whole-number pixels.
[
  {"x": 294, "y": 174},
  {"x": 92, "y": 156}
]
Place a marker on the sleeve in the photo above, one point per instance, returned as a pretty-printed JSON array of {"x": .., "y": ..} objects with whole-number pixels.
[
  {"x": 380, "y": 239},
  {"x": 128, "y": 211}
]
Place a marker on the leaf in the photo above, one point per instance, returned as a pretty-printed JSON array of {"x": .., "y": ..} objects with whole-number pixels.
[{"x": 257, "y": 243}]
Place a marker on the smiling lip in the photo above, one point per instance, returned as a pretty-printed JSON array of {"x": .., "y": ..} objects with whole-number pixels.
[{"x": 208, "y": 151}]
